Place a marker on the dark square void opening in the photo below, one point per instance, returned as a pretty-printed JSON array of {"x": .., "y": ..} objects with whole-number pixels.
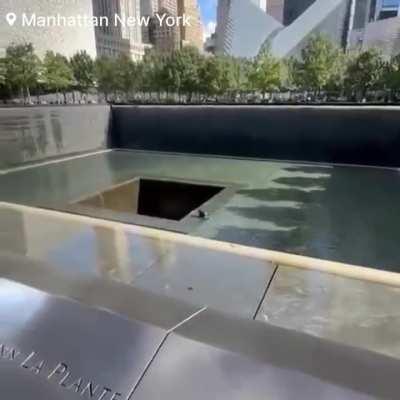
[{"x": 154, "y": 198}]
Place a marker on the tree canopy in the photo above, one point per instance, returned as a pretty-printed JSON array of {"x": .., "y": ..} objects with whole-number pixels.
[
  {"x": 321, "y": 69},
  {"x": 365, "y": 72},
  {"x": 22, "y": 68},
  {"x": 57, "y": 73},
  {"x": 266, "y": 73},
  {"x": 83, "y": 70},
  {"x": 317, "y": 66},
  {"x": 3, "y": 72}
]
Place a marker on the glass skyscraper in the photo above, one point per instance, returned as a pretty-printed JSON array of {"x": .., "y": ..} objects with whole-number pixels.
[
  {"x": 387, "y": 9},
  {"x": 390, "y": 3}
]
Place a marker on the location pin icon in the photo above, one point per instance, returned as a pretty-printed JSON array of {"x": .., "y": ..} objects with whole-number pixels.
[{"x": 11, "y": 18}]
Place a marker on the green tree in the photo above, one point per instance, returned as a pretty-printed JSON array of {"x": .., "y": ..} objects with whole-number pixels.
[
  {"x": 365, "y": 72},
  {"x": 216, "y": 76},
  {"x": 83, "y": 70},
  {"x": 295, "y": 79},
  {"x": 225, "y": 76},
  {"x": 336, "y": 82},
  {"x": 3, "y": 75},
  {"x": 181, "y": 72},
  {"x": 241, "y": 69},
  {"x": 152, "y": 74},
  {"x": 22, "y": 68},
  {"x": 125, "y": 75},
  {"x": 57, "y": 74},
  {"x": 170, "y": 78},
  {"x": 317, "y": 66},
  {"x": 209, "y": 77},
  {"x": 3, "y": 72},
  {"x": 188, "y": 63},
  {"x": 105, "y": 76},
  {"x": 266, "y": 73},
  {"x": 392, "y": 77}
]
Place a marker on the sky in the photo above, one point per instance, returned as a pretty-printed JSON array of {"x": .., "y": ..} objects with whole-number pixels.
[{"x": 208, "y": 11}]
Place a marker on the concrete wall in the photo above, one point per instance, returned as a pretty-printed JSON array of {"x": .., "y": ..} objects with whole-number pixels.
[
  {"x": 38, "y": 133},
  {"x": 353, "y": 135}
]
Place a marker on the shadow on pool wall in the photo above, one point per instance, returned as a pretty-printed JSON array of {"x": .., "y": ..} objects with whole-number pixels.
[
  {"x": 34, "y": 134},
  {"x": 349, "y": 135}
]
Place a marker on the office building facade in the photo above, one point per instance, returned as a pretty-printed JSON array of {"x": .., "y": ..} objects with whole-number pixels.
[
  {"x": 104, "y": 40},
  {"x": 261, "y": 4},
  {"x": 364, "y": 12},
  {"x": 191, "y": 35},
  {"x": 380, "y": 30},
  {"x": 148, "y": 7},
  {"x": 160, "y": 37},
  {"x": 131, "y": 9},
  {"x": 293, "y": 9},
  {"x": 109, "y": 39},
  {"x": 387, "y": 9},
  {"x": 276, "y": 9},
  {"x": 164, "y": 38},
  {"x": 383, "y": 35},
  {"x": 287, "y": 11},
  {"x": 66, "y": 40},
  {"x": 169, "y": 6}
]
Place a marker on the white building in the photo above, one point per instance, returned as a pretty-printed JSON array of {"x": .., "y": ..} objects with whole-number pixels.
[
  {"x": 327, "y": 17},
  {"x": 262, "y": 4},
  {"x": 66, "y": 40},
  {"x": 242, "y": 27}
]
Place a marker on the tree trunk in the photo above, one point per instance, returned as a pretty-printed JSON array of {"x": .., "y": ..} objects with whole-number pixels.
[{"x": 28, "y": 95}]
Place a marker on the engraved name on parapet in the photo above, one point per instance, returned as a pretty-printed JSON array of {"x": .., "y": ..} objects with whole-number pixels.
[{"x": 58, "y": 373}]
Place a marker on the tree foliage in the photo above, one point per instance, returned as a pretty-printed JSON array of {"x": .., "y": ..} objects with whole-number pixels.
[
  {"x": 105, "y": 76},
  {"x": 3, "y": 79},
  {"x": 365, "y": 72},
  {"x": 23, "y": 68},
  {"x": 321, "y": 69},
  {"x": 125, "y": 74},
  {"x": 318, "y": 64},
  {"x": 57, "y": 73},
  {"x": 392, "y": 76},
  {"x": 3, "y": 72},
  {"x": 266, "y": 73},
  {"x": 83, "y": 70},
  {"x": 220, "y": 75},
  {"x": 241, "y": 69}
]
